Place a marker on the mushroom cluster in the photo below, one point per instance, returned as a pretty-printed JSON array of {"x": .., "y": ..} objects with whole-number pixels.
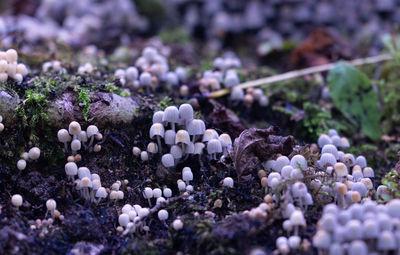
[
  {"x": 89, "y": 184},
  {"x": 32, "y": 155},
  {"x": 78, "y": 137},
  {"x": 252, "y": 95},
  {"x": 366, "y": 228},
  {"x": 224, "y": 73},
  {"x": 190, "y": 139},
  {"x": 150, "y": 69},
  {"x": 9, "y": 67},
  {"x": 54, "y": 66},
  {"x": 160, "y": 196}
]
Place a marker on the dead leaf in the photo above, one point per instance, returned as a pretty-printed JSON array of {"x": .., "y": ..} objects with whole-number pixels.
[{"x": 254, "y": 146}]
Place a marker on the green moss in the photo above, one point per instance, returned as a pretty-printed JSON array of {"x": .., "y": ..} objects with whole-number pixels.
[
  {"x": 174, "y": 35},
  {"x": 111, "y": 88},
  {"x": 164, "y": 103},
  {"x": 84, "y": 100},
  {"x": 33, "y": 109}
]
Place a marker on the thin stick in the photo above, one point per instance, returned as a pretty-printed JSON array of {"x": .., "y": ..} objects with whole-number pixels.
[{"x": 298, "y": 73}]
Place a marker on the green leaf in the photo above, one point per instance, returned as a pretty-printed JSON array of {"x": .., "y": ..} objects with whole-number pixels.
[{"x": 354, "y": 96}]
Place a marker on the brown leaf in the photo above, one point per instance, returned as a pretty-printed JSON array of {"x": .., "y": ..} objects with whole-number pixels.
[
  {"x": 258, "y": 145},
  {"x": 226, "y": 120}
]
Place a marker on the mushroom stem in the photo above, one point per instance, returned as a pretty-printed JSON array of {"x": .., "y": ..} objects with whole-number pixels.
[
  {"x": 65, "y": 147},
  {"x": 173, "y": 126},
  {"x": 296, "y": 230},
  {"x": 159, "y": 144},
  {"x": 194, "y": 139},
  {"x": 149, "y": 202},
  {"x": 91, "y": 141}
]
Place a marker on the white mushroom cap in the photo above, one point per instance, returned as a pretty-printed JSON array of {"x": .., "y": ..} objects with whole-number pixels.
[
  {"x": 157, "y": 117},
  {"x": 132, "y": 214},
  {"x": 152, "y": 148},
  {"x": 176, "y": 151},
  {"x": 186, "y": 112},
  {"x": 368, "y": 172},
  {"x": 327, "y": 159},
  {"x": 198, "y": 148},
  {"x": 169, "y": 137},
  {"x": 337, "y": 141},
  {"x": 361, "y": 161},
  {"x": 322, "y": 239},
  {"x": 120, "y": 194},
  {"x": 187, "y": 175},
  {"x": 371, "y": 229},
  {"x": 297, "y": 218},
  {"x": 358, "y": 247},
  {"x": 323, "y": 140},
  {"x": 145, "y": 79},
  {"x": 144, "y": 156},
  {"x": 171, "y": 114},
  {"x": 210, "y": 134},
  {"x": 196, "y": 127},
  {"x": 126, "y": 208},
  {"x": 63, "y": 136},
  {"x": 298, "y": 161},
  {"x": 393, "y": 208},
  {"x": 132, "y": 73},
  {"x": 74, "y": 128},
  {"x": 328, "y": 221},
  {"x": 228, "y": 182},
  {"x": 182, "y": 136},
  {"x": 299, "y": 189},
  {"x": 237, "y": 94},
  {"x": 386, "y": 241},
  {"x": 143, "y": 212},
  {"x": 71, "y": 169},
  {"x": 167, "y": 160},
  {"x": 119, "y": 73},
  {"x": 86, "y": 182},
  {"x": 225, "y": 140},
  {"x": 148, "y": 193},
  {"x": 51, "y": 204},
  {"x": 157, "y": 193},
  {"x": 280, "y": 162},
  {"x": 16, "y": 200},
  {"x": 189, "y": 148},
  {"x": 340, "y": 169},
  {"x": 214, "y": 146},
  {"x": 34, "y": 153},
  {"x": 272, "y": 176},
  {"x": 167, "y": 192},
  {"x": 101, "y": 192},
  {"x": 96, "y": 184},
  {"x": 21, "y": 164},
  {"x": 92, "y": 130},
  {"x": 330, "y": 148},
  {"x": 3, "y": 66},
  {"x": 360, "y": 188},
  {"x": 294, "y": 242},
  {"x": 123, "y": 219},
  {"x": 83, "y": 136},
  {"x": 286, "y": 171},
  {"x": 75, "y": 145},
  {"x": 157, "y": 129},
  {"x": 84, "y": 172},
  {"x": 162, "y": 215},
  {"x": 354, "y": 230},
  {"x": 11, "y": 56},
  {"x": 177, "y": 224}
]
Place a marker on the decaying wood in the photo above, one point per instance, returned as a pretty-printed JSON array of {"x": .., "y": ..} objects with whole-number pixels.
[{"x": 106, "y": 110}]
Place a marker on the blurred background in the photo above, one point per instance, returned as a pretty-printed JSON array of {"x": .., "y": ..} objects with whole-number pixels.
[{"x": 337, "y": 28}]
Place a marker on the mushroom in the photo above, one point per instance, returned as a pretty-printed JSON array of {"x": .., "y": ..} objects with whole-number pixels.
[
  {"x": 213, "y": 147},
  {"x": 185, "y": 113},
  {"x": 195, "y": 128},
  {"x": 91, "y": 132},
  {"x": 182, "y": 139},
  {"x": 157, "y": 130},
  {"x": 64, "y": 137},
  {"x": 171, "y": 115}
]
